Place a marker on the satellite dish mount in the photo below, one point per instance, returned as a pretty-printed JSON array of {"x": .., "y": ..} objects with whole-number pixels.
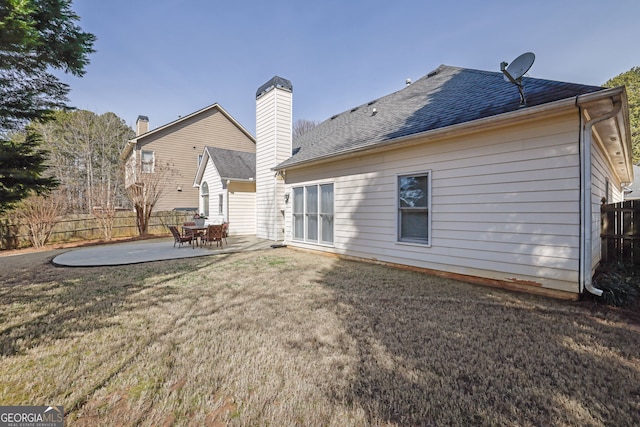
[{"x": 513, "y": 72}]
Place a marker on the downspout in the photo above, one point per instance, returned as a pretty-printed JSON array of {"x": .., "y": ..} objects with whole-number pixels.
[{"x": 586, "y": 236}]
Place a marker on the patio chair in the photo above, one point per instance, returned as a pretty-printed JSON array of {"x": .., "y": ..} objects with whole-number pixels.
[
  {"x": 178, "y": 238},
  {"x": 214, "y": 234}
]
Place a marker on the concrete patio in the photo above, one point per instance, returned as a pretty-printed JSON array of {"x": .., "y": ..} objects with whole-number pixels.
[{"x": 153, "y": 250}]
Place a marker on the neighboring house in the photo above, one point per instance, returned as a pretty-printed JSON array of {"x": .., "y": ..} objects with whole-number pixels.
[
  {"x": 451, "y": 175},
  {"x": 226, "y": 179},
  {"x": 180, "y": 144}
]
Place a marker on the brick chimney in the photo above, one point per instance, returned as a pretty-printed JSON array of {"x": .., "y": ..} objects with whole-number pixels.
[
  {"x": 274, "y": 136},
  {"x": 142, "y": 125}
]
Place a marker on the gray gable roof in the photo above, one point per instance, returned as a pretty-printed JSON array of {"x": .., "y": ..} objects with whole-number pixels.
[
  {"x": 447, "y": 96},
  {"x": 233, "y": 164}
]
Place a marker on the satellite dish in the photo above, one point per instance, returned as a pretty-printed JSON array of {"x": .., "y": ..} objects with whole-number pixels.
[
  {"x": 520, "y": 66},
  {"x": 513, "y": 72}
]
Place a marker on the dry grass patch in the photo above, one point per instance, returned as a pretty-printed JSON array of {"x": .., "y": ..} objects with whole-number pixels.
[{"x": 283, "y": 337}]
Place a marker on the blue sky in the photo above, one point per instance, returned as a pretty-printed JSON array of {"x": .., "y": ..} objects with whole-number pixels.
[{"x": 169, "y": 58}]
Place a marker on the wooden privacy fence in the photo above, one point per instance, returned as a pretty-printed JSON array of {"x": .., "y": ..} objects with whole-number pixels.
[
  {"x": 620, "y": 232},
  {"x": 86, "y": 227}
]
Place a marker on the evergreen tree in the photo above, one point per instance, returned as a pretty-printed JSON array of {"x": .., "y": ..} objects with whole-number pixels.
[
  {"x": 36, "y": 36},
  {"x": 21, "y": 171}
]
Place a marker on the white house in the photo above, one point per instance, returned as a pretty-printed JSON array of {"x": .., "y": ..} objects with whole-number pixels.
[
  {"x": 227, "y": 188},
  {"x": 451, "y": 175}
]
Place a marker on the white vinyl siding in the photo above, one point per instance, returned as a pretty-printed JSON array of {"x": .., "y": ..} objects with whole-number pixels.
[
  {"x": 216, "y": 188},
  {"x": 273, "y": 131},
  {"x": 603, "y": 185},
  {"x": 504, "y": 203},
  {"x": 238, "y": 202},
  {"x": 242, "y": 208}
]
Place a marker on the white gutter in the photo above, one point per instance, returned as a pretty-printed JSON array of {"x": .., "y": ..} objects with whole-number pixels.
[{"x": 586, "y": 236}]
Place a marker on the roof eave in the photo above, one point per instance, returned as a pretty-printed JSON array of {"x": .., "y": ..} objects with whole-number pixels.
[
  {"x": 617, "y": 151},
  {"x": 195, "y": 113},
  {"x": 127, "y": 149},
  {"x": 201, "y": 166},
  {"x": 228, "y": 178}
]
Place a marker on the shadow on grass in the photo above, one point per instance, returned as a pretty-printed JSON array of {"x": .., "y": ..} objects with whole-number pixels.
[
  {"x": 376, "y": 344},
  {"x": 439, "y": 352},
  {"x": 73, "y": 300}
]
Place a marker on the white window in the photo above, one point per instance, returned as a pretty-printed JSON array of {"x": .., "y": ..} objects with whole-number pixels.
[
  {"x": 326, "y": 213},
  {"x": 204, "y": 193},
  {"x": 313, "y": 213},
  {"x": 298, "y": 213},
  {"x": 220, "y": 203},
  {"x": 413, "y": 208},
  {"x": 147, "y": 159},
  {"x": 199, "y": 159}
]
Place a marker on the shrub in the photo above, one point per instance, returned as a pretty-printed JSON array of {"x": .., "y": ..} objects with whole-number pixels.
[{"x": 620, "y": 283}]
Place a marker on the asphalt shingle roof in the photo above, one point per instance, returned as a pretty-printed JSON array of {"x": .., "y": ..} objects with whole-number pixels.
[
  {"x": 447, "y": 96},
  {"x": 233, "y": 164}
]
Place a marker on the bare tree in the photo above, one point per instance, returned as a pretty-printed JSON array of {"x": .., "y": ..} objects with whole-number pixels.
[
  {"x": 105, "y": 209},
  {"x": 302, "y": 126},
  {"x": 40, "y": 214},
  {"x": 84, "y": 155},
  {"x": 145, "y": 193}
]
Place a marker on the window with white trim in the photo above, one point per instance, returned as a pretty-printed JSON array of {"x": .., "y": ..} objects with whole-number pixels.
[
  {"x": 147, "y": 160},
  {"x": 312, "y": 213},
  {"x": 204, "y": 193},
  {"x": 220, "y": 204},
  {"x": 413, "y": 208}
]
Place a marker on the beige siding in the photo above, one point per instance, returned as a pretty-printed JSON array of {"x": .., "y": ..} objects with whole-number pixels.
[
  {"x": 242, "y": 208},
  {"x": 273, "y": 133},
  {"x": 181, "y": 143},
  {"x": 505, "y": 204}
]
